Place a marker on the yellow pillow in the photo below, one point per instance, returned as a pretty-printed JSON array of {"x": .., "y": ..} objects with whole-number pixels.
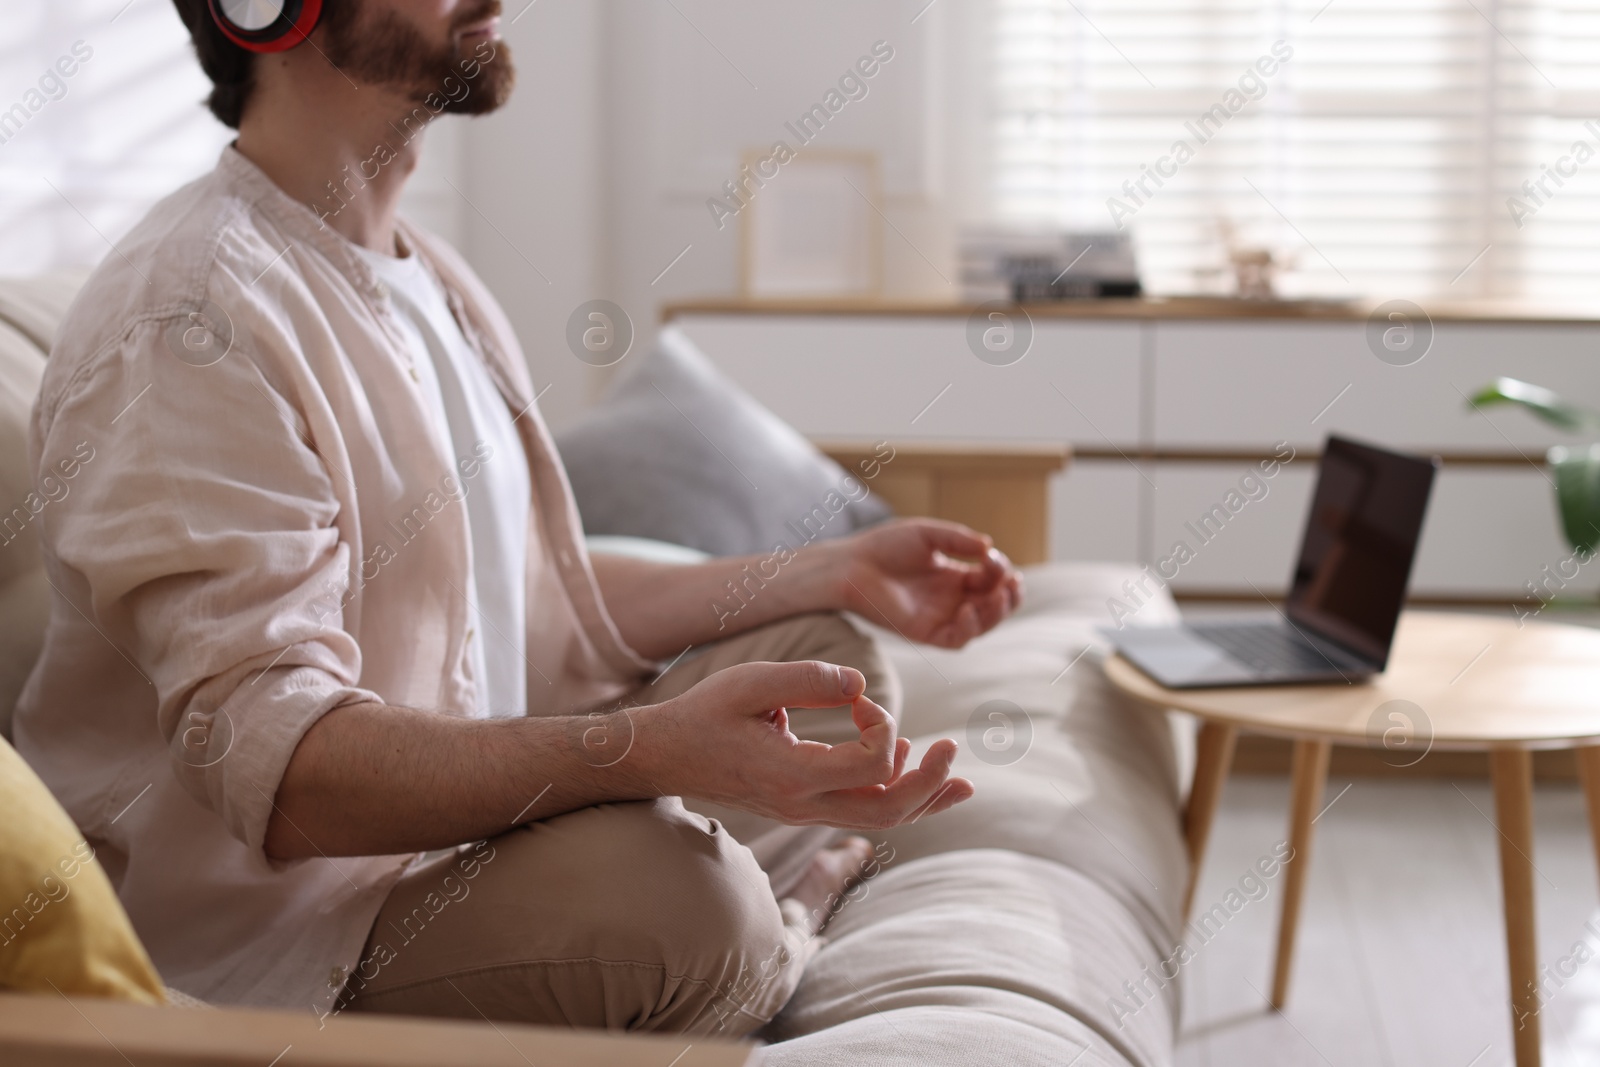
[{"x": 61, "y": 924}]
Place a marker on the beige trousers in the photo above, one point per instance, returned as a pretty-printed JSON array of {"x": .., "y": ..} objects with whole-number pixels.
[{"x": 630, "y": 916}]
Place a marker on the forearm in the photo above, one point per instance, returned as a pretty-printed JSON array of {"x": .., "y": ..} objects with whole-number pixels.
[
  {"x": 368, "y": 779},
  {"x": 663, "y": 608}
]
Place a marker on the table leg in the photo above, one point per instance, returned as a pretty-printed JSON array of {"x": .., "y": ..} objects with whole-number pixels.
[
  {"x": 1308, "y": 777},
  {"x": 1512, "y": 771},
  {"x": 1213, "y": 758},
  {"x": 1589, "y": 774}
]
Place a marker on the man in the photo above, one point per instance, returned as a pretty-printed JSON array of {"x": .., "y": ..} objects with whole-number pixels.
[{"x": 331, "y": 683}]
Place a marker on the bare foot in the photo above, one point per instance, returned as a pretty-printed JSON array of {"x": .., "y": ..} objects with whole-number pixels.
[{"x": 832, "y": 872}]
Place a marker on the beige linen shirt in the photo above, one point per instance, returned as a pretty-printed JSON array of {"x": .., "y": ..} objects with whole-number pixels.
[{"x": 265, "y": 529}]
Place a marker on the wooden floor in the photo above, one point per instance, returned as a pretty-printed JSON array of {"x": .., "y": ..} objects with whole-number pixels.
[{"x": 1401, "y": 959}]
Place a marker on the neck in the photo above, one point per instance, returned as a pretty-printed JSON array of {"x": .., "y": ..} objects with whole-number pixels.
[{"x": 344, "y": 152}]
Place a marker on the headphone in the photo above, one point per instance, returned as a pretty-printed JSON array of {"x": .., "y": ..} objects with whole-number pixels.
[{"x": 266, "y": 25}]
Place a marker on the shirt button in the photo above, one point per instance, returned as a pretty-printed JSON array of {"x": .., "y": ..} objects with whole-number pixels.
[
  {"x": 414, "y": 375},
  {"x": 472, "y": 632},
  {"x": 337, "y": 976},
  {"x": 382, "y": 290}
]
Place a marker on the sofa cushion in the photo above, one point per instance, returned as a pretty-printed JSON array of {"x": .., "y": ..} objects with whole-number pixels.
[
  {"x": 21, "y": 368},
  {"x": 1087, "y": 777},
  {"x": 1006, "y": 926},
  {"x": 972, "y": 957},
  {"x": 24, "y": 614},
  {"x": 676, "y": 452},
  {"x": 642, "y": 548},
  {"x": 36, "y": 305},
  {"x": 63, "y": 927},
  {"x": 24, "y": 599}
]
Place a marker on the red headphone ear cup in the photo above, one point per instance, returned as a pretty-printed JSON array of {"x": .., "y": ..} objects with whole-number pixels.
[{"x": 296, "y": 20}]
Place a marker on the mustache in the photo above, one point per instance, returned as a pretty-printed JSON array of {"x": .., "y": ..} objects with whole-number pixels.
[{"x": 486, "y": 10}]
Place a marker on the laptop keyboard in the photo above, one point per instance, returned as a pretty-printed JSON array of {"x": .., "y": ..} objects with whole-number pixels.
[{"x": 1272, "y": 648}]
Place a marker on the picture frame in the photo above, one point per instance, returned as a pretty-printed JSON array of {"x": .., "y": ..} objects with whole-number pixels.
[{"x": 814, "y": 228}]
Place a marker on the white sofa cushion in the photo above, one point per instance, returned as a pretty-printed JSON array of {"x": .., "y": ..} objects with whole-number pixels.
[
  {"x": 21, "y": 367},
  {"x": 35, "y": 305},
  {"x": 31, "y": 310},
  {"x": 1004, "y": 928},
  {"x": 29, "y": 313},
  {"x": 972, "y": 957}
]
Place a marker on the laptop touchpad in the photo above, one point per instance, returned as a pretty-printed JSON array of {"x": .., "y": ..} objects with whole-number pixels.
[{"x": 1177, "y": 656}]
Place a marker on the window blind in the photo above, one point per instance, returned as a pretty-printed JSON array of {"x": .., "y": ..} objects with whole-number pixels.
[{"x": 1403, "y": 147}]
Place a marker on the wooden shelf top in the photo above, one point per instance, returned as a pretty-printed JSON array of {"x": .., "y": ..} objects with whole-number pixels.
[
  {"x": 1147, "y": 308},
  {"x": 1010, "y": 457}
]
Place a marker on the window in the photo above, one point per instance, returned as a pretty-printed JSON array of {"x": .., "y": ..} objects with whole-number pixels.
[
  {"x": 84, "y": 155},
  {"x": 1384, "y": 147}
]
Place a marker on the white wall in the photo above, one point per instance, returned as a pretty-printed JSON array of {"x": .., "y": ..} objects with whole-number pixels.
[
  {"x": 630, "y": 114},
  {"x": 695, "y": 83},
  {"x": 536, "y": 224}
]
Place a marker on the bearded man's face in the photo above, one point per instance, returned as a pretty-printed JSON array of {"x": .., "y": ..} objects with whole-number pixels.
[{"x": 443, "y": 49}]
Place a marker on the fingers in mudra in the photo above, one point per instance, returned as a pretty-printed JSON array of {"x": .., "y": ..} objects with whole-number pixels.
[{"x": 747, "y": 757}]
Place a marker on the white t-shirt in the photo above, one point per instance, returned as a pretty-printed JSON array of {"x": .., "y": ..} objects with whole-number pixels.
[{"x": 468, "y": 409}]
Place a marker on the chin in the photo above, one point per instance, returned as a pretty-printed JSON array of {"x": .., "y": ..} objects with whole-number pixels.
[{"x": 496, "y": 77}]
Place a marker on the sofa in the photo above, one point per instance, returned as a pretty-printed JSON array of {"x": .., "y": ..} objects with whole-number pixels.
[{"x": 1015, "y": 929}]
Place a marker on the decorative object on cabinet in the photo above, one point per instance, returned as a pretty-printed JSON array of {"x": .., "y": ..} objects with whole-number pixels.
[
  {"x": 1043, "y": 265},
  {"x": 814, "y": 228}
]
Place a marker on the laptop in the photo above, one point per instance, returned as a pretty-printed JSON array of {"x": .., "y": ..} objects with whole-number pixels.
[{"x": 1345, "y": 593}]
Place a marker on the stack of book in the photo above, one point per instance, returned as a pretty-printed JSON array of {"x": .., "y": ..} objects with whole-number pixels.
[{"x": 1037, "y": 265}]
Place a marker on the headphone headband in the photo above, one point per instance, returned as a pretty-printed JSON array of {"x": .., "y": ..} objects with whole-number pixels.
[{"x": 266, "y": 25}]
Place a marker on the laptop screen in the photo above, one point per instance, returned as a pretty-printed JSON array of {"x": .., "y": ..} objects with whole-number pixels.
[{"x": 1361, "y": 538}]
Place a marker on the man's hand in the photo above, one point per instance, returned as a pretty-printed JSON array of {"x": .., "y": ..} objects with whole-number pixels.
[
  {"x": 933, "y": 581},
  {"x": 350, "y": 787},
  {"x": 929, "y": 580},
  {"x": 727, "y": 740}
]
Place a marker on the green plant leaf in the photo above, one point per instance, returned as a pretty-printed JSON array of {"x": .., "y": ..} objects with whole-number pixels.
[
  {"x": 1538, "y": 400},
  {"x": 1577, "y": 476}
]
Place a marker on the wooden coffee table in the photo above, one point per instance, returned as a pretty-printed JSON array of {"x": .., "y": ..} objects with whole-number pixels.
[{"x": 1481, "y": 683}]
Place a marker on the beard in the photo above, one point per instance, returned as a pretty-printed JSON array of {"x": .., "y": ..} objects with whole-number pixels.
[{"x": 379, "y": 48}]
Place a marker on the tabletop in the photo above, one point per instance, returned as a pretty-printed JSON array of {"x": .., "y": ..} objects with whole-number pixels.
[{"x": 1455, "y": 681}]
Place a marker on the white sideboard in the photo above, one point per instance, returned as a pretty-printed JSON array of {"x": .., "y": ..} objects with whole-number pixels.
[{"x": 1167, "y": 411}]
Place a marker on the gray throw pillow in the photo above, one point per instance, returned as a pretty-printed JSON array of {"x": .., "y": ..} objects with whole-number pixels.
[{"x": 676, "y": 452}]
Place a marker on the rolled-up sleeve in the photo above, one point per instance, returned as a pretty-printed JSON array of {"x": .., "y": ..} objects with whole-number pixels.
[{"x": 205, "y": 530}]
